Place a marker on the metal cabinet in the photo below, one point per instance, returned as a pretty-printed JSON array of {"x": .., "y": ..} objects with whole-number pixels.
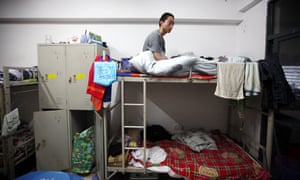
[
  {"x": 65, "y": 107},
  {"x": 63, "y": 74},
  {"x": 52, "y": 140},
  {"x": 52, "y": 76},
  {"x": 54, "y": 131}
]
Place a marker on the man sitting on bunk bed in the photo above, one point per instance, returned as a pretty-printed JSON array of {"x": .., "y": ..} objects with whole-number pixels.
[
  {"x": 155, "y": 41},
  {"x": 149, "y": 61}
]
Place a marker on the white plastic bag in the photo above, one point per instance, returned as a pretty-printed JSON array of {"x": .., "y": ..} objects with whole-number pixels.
[{"x": 11, "y": 122}]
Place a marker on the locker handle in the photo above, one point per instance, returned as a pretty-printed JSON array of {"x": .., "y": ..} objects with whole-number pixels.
[
  {"x": 38, "y": 146},
  {"x": 74, "y": 79},
  {"x": 45, "y": 78},
  {"x": 70, "y": 79}
]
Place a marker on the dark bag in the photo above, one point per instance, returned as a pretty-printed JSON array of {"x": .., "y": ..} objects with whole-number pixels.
[{"x": 156, "y": 133}]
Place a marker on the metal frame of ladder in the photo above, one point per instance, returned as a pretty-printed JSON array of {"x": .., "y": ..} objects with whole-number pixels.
[{"x": 124, "y": 126}]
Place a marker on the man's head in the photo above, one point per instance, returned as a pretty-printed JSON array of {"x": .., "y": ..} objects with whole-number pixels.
[{"x": 166, "y": 22}]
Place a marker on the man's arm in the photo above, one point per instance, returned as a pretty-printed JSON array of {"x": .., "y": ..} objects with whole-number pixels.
[{"x": 157, "y": 56}]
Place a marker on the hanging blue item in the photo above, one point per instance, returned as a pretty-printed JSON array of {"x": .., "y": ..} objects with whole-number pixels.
[{"x": 105, "y": 71}]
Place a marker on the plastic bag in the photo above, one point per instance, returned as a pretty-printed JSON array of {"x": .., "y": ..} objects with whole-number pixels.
[{"x": 84, "y": 154}]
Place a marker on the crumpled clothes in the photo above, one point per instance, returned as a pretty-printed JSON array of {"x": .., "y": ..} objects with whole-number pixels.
[{"x": 154, "y": 155}]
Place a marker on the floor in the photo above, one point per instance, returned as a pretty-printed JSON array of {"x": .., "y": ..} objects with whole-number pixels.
[
  {"x": 120, "y": 176},
  {"x": 29, "y": 166}
]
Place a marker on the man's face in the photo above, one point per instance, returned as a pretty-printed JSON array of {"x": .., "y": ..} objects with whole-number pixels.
[{"x": 168, "y": 24}]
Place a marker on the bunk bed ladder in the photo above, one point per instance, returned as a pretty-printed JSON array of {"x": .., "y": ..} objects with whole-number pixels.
[{"x": 125, "y": 126}]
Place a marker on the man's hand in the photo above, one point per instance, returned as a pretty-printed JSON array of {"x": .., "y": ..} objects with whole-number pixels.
[{"x": 158, "y": 56}]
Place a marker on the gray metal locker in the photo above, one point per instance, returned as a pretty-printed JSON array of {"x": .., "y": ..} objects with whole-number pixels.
[
  {"x": 65, "y": 107},
  {"x": 79, "y": 60},
  {"x": 63, "y": 74},
  {"x": 52, "y": 76},
  {"x": 52, "y": 140}
]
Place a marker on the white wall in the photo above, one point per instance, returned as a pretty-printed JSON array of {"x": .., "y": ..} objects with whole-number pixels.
[
  {"x": 118, "y": 8},
  {"x": 20, "y": 38},
  {"x": 178, "y": 106},
  {"x": 252, "y": 31},
  {"x": 204, "y": 27}
]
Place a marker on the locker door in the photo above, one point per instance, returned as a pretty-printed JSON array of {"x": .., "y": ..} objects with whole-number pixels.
[
  {"x": 79, "y": 60},
  {"x": 51, "y": 66},
  {"x": 52, "y": 140}
]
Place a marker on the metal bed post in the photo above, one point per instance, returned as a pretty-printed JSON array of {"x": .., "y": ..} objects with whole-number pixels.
[
  {"x": 122, "y": 124},
  {"x": 100, "y": 141},
  {"x": 8, "y": 141},
  {"x": 102, "y": 144},
  {"x": 269, "y": 138},
  {"x": 144, "y": 121}
]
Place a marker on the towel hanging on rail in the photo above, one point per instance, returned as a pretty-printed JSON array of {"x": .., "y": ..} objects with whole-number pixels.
[{"x": 230, "y": 81}]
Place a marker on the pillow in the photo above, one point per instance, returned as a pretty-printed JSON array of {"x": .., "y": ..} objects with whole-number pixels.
[{"x": 142, "y": 61}]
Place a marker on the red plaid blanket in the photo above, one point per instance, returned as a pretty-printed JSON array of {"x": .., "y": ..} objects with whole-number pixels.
[{"x": 228, "y": 162}]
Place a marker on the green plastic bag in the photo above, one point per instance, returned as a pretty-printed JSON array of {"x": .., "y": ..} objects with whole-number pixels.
[{"x": 84, "y": 154}]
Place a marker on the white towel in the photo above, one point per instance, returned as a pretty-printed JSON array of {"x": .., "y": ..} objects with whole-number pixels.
[
  {"x": 252, "y": 80},
  {"x": 230, "y": 81},
  {"x": 11, "y": 122}
]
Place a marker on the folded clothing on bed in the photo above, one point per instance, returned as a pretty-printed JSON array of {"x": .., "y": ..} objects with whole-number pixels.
[{"x": 197, "y": 140}]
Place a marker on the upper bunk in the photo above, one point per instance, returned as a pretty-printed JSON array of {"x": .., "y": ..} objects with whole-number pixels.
[
  {"x": 17, "y": 80},
  {"x": 239, "y": 73},
  {"x": 191, "y": 78}
]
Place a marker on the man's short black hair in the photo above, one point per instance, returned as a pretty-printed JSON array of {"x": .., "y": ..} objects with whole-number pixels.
[{"x": 165, "y": 16}]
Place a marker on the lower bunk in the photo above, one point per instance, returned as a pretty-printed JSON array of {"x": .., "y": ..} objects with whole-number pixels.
[
  {"x": 190, "y": 155},
  {"x": 227, "y": 160}
]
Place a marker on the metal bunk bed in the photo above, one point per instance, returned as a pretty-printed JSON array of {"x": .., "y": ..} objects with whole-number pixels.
[
  {"x": 106, "y": 172},
  {"x": 12, "y": 89}
]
